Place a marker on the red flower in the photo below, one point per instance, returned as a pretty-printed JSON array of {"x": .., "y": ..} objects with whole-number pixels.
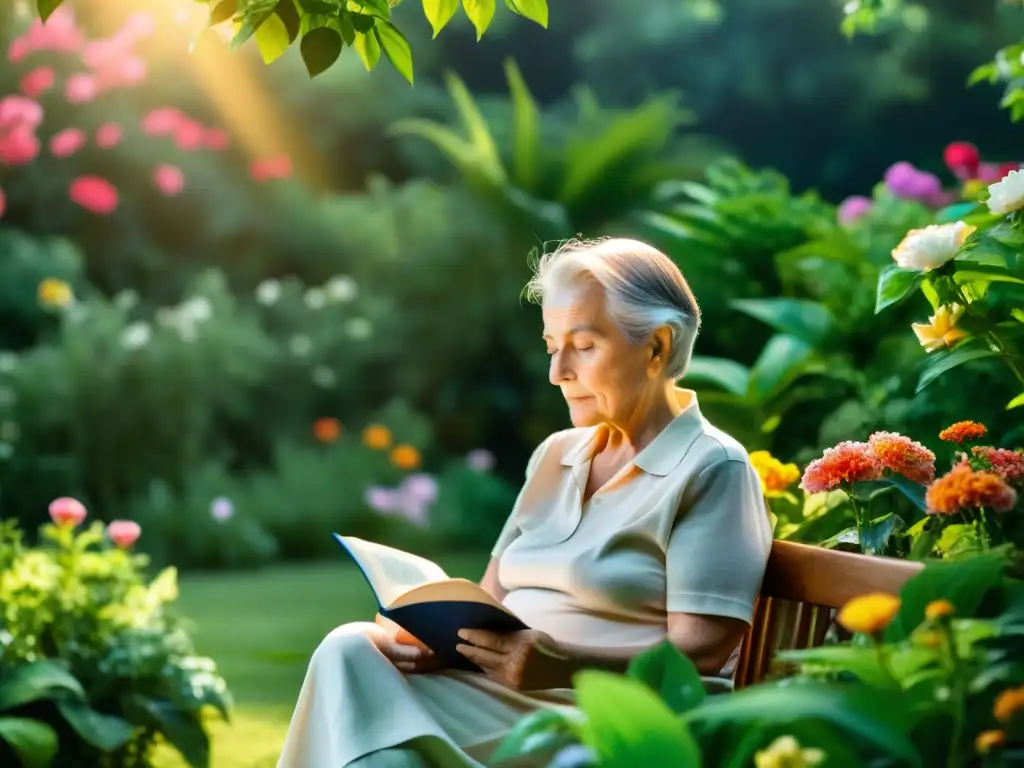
[
  {"x": 1008, "y": 464},
  {"x": 903, "y": 456},
  {"x": 962, "y": 158},
  {"x": 965, "y": 488},
  {"x": 847, "y": 462},
  {"x": 94, "y": 194}
]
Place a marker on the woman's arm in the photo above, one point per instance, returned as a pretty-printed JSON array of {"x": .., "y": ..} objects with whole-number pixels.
[{"x": 490, "y": 583}]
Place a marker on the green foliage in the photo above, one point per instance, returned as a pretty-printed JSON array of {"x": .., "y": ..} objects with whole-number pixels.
[{"x": 94, "y": 664}]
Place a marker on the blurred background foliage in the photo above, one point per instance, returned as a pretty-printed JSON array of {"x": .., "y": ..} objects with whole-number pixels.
[{"x": 229, "y": 345}]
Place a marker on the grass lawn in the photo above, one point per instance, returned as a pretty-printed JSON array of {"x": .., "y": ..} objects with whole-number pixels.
[{"x": 261, "y": 628}]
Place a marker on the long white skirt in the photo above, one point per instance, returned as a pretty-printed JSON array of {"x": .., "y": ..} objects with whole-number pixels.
[{"x": 354, "y": 702}]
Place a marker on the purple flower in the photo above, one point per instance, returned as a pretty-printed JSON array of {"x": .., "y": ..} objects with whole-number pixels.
[
  {"x": 221, "y": 509},
  {"x": 383, "y": 500},
  {"x": 421, "y": 487},
  {"x": 909, "y": 183},
  {"x": 480, "y": 460},
  {"x": 852, "y": 208},
  {"x": 414, "y": 510}
]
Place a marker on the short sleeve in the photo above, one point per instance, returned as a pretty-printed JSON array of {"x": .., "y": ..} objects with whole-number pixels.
[
  {"x": 510, "y": 531},
  {"x": 718, "y": 549}
]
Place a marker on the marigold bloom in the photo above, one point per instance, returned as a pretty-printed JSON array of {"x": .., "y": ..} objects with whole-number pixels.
[
  {"x": 986, "y": 741},
  {"x": 903, "y": 456},
  {"x": 869, "y": 613},
  {"x": 965, "y": 488},
  {"x": 848, "y": 462},
  {"x": 55, "y": 293},
  {"x": 327, "y": 430},
  {"x": 405, "y": 456},
  {"x": 963, "y": 431},
  {"x": 1008, "y": 703},
  {"x": 377, "y": 436},
  {"x": 1008, "y": 464},
  {"x": 775, "y": 476},
  {"x": 938, "y": 609}
]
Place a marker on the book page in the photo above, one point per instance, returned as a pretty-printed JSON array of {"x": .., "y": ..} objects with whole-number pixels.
[{"x": 391, "y": 572}]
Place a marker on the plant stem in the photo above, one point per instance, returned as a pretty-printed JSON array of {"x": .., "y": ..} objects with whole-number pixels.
[
  {"x": 858, "y": 517},
  {"x": 958, "y": 695}
]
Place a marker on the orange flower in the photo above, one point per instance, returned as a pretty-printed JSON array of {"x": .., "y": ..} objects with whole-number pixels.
[
  {"x": 1008, "y": 464},
  {"x": 377, "y": 436},
  {"x": 989, "y": 740},
  {"x": 965, "y": 488},
  {"x": 938, "y": 609},
  {"x": 55, "y": 293},
  {"x": 327, "y": 430},
  {"x": 963, "y": 431},
  {"x": 1008, "y": 703},
  {"x": 869, "y": 613},
  {"x": 903, "y": 456},
  {"x": 775, "y": 476},
  {"x": 847, "y": 462},
  {"x": 404, "y": 456}
]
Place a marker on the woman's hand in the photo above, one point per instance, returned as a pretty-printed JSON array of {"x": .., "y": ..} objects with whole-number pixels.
[
  {"x": 523, "y": 661},
  {"x": 403, "y": 650}
]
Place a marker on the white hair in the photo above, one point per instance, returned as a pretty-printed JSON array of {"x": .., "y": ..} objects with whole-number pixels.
[{"x": 643, "y": 288}]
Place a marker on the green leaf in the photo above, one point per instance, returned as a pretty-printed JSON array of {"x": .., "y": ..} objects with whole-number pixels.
[
  {"x": 876, "y": 716},
  {"x": 480, "y": 12},
  {"x": 893, "y": 284},
  {"x": 362, "y": 22},
  {"x": 727, "y": 374},
  {"x": 1017, "y": 402},
  {"x": 396, "y": 48},
  {"x": 671, "y": 675},
  {"x": 379, "y": 8},
  {"x": 783, "y": 359},
  {"x": 34, "y": 743},
  {"x": 534, "y": 10},
  {"x": 288, "y": 14},
  {"x": 105, "y": 732},
  {"x": 320, "y": 48},
  {"x": 526, "y": 163},
  {"x": 542, "y": 731},
  {"x": 255, "y": 15},
  {"x": 995, "y": 275},
  {"x": 860, "y": 661},
  {"x": 963, "y": 582},
  {"x": 943, "y": 360},
  {"x": 439, "y": 13},
  {"x": 272, "y": 39},
  {"x": 368, "y": 48},
  {"x": 958, "y": 539},
  {"x": 222, "y": 11},
  {"x": 37, "y": 681},
  {"x": 628, "y": 726},
  {"x": 809, "y": 321},
  {"x": 184, "y": 730},
  {"x": 875, "y": 534},
  {"x": 47, "y": 7}
]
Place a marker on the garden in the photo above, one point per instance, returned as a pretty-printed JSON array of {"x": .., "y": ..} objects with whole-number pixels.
[{"x": 261, "y": 265}]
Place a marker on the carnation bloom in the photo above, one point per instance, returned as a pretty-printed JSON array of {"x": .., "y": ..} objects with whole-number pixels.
[
  {"x": 67, "y": 511},
  {"x": 903, "y": 456},
  {"x": 1007, "y": 196},
  {"x": 929, "y": 248},
  {"x": 1008, "y": 464},
  {"x": 93, "y": 193},
  {"x": 966, "y": 488},
  {"x": 963, "y": 431},
  {"x": 869, "y": 613},
  {"x": 775, "y": 476},
  {"x": 848, "y": 462},
  {"x": 940, "y": 330},
  {"x": 124, "y": 533}
]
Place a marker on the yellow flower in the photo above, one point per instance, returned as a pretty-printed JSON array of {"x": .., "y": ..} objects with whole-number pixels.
[
  {"x": 989, "y": 740},
  {"x": 775, "y": 476},
  {"x": 405, "y": 456},
  {"x": 786, "y": 752},
  {"x": 1008, "y": 703},
  {"x": 869, "y": 613},
  {"x": 377, "y": 436},
  {"x": 55, "y": 293},
  {"x": 940, "y": 330},
  {"x": 938, "y": 609},
  {"x": 972, "y": 189}
]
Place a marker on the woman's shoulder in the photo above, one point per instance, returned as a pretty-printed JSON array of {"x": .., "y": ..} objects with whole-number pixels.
[
  {"x": 558, "y": 445},
  {"x": 715, "y": 447}
]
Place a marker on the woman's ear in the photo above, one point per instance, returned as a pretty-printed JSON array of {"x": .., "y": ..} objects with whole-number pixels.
[{"x": 661, "y": 348}]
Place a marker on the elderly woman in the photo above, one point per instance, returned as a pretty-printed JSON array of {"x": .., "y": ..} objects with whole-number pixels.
[{"x": 641, "y": 523}]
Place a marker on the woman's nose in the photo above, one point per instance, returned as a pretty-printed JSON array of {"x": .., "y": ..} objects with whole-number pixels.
[{"x": 559, "y": 369}]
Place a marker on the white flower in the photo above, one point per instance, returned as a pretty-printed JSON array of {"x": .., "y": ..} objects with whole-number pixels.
[
  {"x": 931, "y": 247},
  {"x": 341, "y": 288},
  {"x": 851, "y": 7},
  {"x": 126, "y": 300},
  {"x": 324, "y": 377},
  {"x": 222, "y": 509},
  {"x": 196, "y": 310},
  {"x": 136, "y": 335},
  {"x": 8, "y": 362},
  {"x": 1007, "y": 196},
  {"x": 268, "y": 292},
  {"x": 315, "y": 298},
  {"x": 358, "y": 328},
  {"x": 300, "y": 345}
]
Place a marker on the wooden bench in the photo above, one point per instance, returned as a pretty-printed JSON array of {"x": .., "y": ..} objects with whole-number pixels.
[{"x": 802, "y": 588}]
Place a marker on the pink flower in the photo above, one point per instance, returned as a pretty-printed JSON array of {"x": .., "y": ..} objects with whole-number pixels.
[
  {"x": 19, "y": 48},
  {"x": 108, "y": 135},
  {"x": 414, "y": 510},
  {"x": 383, "y": 500},
  {"x": 94, "y": 194},
  {"x": 130, "y": 71},
  {"x": 480, "y": 460},
  {"x": 909, "y": 183},
  {"x": 3, "y": 203},
  {"x": 421, "y": 487},
  {"x": 80, "y": 88},
  {"x": 222, "y": 509},
  {"x": 843, "y": 464},
  {"x": 161, "y": 121},
  {"x": 67, "y": 142},
  {"x": 990, "y": 172},
  {"x": 278, "y": 167},
  {"x": 189, "y": 135},
  {"x": 124, "y": 533},
  {"x": 17, "y": 110},
  {"x": 169, "y": 179},
  {"x": 139, "y": 24},
  {"x": 37, "y": 81},
  {"x": 67, "y": 511},
  {"x": 19, "y": 146},
  {"x": 216, "y": 139},
  {"x": 852, "y": 208},
  {"x": 59, "y": 33}
]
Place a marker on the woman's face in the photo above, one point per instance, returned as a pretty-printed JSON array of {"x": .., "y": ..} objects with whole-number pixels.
[{"x": 602, "y": 376}]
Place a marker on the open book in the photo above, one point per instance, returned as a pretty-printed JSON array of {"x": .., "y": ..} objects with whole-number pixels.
[{"x": 418, "y": 595}]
